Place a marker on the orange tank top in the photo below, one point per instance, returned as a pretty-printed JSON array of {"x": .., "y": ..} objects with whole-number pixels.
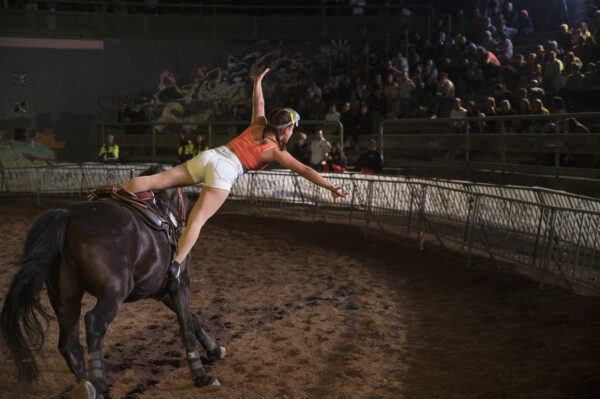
[{"x": 248, "y": 151}]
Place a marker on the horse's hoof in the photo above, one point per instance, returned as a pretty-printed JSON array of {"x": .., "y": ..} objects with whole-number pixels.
[
  {"x": 83, "y": 390},
  {"x": 205, "y": 380},
  {"x": 219, "y": 353}
]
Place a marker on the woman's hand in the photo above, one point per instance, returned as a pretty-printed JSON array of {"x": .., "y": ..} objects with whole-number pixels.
[
  {"x": 258, "y": 78},
  {"x": 337, "y": 192}
]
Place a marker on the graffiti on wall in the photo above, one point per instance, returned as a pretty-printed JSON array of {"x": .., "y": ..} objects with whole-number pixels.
[{"x": 214, "y": 94}]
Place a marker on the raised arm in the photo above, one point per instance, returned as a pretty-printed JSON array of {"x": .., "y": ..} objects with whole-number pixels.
[
  {"x": 286, "y": 160},
  {"x": 258, "y": 101}
]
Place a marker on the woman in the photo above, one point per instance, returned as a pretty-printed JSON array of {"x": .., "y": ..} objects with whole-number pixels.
[
  {"x": 336, "y": 160},
  {"x": 261, "y": 143}
]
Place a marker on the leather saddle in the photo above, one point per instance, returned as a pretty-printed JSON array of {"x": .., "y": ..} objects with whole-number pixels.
[{"x": 145, "y": 206}]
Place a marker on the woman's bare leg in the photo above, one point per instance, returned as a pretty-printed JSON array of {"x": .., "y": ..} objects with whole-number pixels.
[
  {"x": 208, "y": 203},
  {"x": 177, "y": 176}
]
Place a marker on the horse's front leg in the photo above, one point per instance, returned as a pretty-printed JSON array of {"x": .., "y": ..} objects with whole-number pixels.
[
  {"x": 179, "y": 293},
  {"x": 214, "y": 350}
]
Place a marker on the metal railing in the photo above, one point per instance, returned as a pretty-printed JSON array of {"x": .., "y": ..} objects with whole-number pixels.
[
  {"x": 99, "y": 20},
  {"x": 158, "y": 142},
  {"x": 550, "y": 236},
  {"x": 447, "y": 142}
]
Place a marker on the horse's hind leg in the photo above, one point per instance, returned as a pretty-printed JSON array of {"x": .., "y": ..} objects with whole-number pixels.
[
  {"x": 179, "y": 292},
  {"x": 65, "y": 293},
  {"x": 96, "y": 324},
  {"x": 213, "y": 349}
]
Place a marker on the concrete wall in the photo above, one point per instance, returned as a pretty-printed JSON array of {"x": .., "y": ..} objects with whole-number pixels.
[{"x": 68, "y": 90}]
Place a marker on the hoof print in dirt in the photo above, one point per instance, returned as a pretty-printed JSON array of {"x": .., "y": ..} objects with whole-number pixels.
[{"x": 83, "y": 390}]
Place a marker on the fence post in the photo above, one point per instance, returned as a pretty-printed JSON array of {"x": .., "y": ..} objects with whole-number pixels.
[
  {"x": 556, "y": 150},
  {"x": 503, "y": 146},
  {"x": 421, "y": 237},
  {"x": 549, "y": 246},
  {"x": 471, "y": 220},
  {"x": 410, "y": 209},
  {"x": 468, "y": 147}
]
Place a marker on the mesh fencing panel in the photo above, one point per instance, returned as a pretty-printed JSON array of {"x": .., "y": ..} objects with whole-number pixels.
[{"x": 552, "y": 236}]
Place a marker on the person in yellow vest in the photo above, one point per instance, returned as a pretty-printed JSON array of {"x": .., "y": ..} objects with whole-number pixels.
[
  {"x": 109, "y": 152},
  {"x": 199, "y": 145},
  {"x": 185, "y": 151}
]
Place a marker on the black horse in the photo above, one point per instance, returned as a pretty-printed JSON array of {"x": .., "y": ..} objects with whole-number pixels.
[{"x": 106, "y": 249}]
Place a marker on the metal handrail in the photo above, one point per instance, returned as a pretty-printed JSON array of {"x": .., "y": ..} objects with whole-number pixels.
[
  {"x": 209, "y": 124},
  {"x": 466, "y": 137}
]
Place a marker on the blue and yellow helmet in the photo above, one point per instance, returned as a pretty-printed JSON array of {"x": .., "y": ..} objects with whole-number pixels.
[{"x": 295, "y": 116}]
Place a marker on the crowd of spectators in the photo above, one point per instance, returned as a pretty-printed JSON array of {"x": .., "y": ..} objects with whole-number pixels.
[
  {"x": 474, "y": 73},
  {"x": 490, "y": 66}
]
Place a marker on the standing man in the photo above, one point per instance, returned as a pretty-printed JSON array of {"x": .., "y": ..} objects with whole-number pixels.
[
  {"x": 319, "y": 149},
  {"x": 109, "y": 152}
]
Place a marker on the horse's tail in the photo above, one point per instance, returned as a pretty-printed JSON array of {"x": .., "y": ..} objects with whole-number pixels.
[{"x": 20, "y": 328}]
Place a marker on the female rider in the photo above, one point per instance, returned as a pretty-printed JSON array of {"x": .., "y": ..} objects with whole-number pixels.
[{"x": 261, "y": 143}]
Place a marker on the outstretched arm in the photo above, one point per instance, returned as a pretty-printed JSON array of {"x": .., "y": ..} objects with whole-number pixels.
[
  {"x": 286, "y": 160},
  {"x": 258, "y": 101}
]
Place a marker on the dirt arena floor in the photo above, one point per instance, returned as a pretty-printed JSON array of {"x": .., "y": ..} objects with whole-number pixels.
[{"x": 313, "y": 310}]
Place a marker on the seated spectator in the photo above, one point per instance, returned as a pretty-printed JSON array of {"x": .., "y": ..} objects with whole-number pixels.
[
  {"x": 574, "y": 79},
  {"x": 572, "y": 125},
  {"x": 506, "y": 110},
  {"x": 525, "y": 27},
  {"x": 540, "y": 125},
  {"x": 332, "y": 116},
  {"x": 488, "y": 41},
  {"x": 301, "y": 150},
  {"x": 504, "y": 48},
  {"x": 474, "y": 76},
  {"x": 370, "y": 161},
  {"x": 185, "y": 150},
  {"x": 473, "y": 112},
  {"x": 592, "y": 76},
  {"x": 558, "y": 106},
  {"x": 199, "y": 145},
  {"x": 319, "y": 149},
  {"x": 430, "y": 70},
  {"x": 564, "y": 37},
  {"x": 511, "y": 16},
  {"x": 458, "y": 112},
  {"x": 363, "y": 123},
  {"x": 109, "y": 151},
  {"x": 524, "y": 108},
  {"x": 489, "y": 109},
  {"x": 336, "y": 160},
  {"x": 500, "y": 93},
  {"x": 535, "y": 91},
  {"x": 579, "y": 48}
]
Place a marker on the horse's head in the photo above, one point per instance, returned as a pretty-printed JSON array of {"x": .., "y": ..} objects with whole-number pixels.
[{"x": 172, "y": 200}]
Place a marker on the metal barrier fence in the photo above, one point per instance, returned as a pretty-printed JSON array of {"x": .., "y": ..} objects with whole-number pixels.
[
  {"x": 551, "y": 236},
  {"x": 549, "y": 147},
  {"x": 157, "y": 142}
]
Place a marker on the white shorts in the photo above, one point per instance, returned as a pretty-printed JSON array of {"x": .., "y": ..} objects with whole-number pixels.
[{"x": 218, "y": 168}]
